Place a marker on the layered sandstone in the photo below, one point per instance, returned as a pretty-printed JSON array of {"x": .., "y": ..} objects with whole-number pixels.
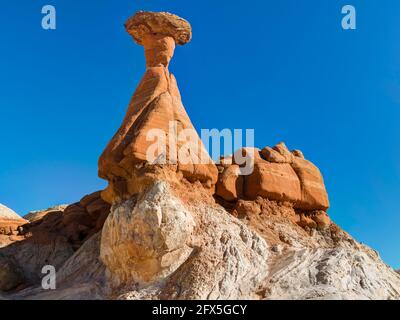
[{"x": 155, "y": 114}]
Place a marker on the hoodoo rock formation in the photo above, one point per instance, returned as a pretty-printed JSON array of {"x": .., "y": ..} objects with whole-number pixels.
[
  {"x": 174, "y": 225},
  {"x": 156, "y": 104}
]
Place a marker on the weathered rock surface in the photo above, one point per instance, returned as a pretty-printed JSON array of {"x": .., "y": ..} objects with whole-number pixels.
[
  {"x": 346, "y": 272},
  {"x": 324, "y": 263},
  {"x": 261, "y": 254},
  {"x": 220, "y": 259},
  {"x": 144, "y": 239},
  {"x": 80, "y": 277},
  {"x": 7, "y": 213},
  {"x": 10, "y": 275}
]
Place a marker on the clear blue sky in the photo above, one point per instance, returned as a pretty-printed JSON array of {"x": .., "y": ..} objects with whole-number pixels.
[{"x": 285, "y": 68}]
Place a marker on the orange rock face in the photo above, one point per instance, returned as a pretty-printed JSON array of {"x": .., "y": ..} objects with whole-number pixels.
[
  {"x": 230, "y": 184},
  {"x": 156, "y": 130},
  {"x": 313, "y": 192},
  {"x": 278, "y": 175},
  {"x": 274, "y": 181}
]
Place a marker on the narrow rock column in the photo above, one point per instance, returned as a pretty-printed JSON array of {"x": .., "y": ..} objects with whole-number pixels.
[{"x": 158, "y": 49}]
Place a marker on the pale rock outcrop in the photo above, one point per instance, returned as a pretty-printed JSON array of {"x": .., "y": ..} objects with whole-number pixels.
[
  {"x": 81, "y": 277},
  {"x": 322, "y": 263},
  {"x": 145, "y": 239},
  {"x": 219, "y": 258},
  {"x": 7, "y": 213},
  {"x": 349, "y": 271}
]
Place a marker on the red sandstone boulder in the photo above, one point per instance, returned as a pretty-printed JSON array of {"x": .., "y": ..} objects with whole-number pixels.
[
  {"x": 271, "y": 180},
  {"x": 274, "y": 181},
  {"x": 277, "y": 174}
]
